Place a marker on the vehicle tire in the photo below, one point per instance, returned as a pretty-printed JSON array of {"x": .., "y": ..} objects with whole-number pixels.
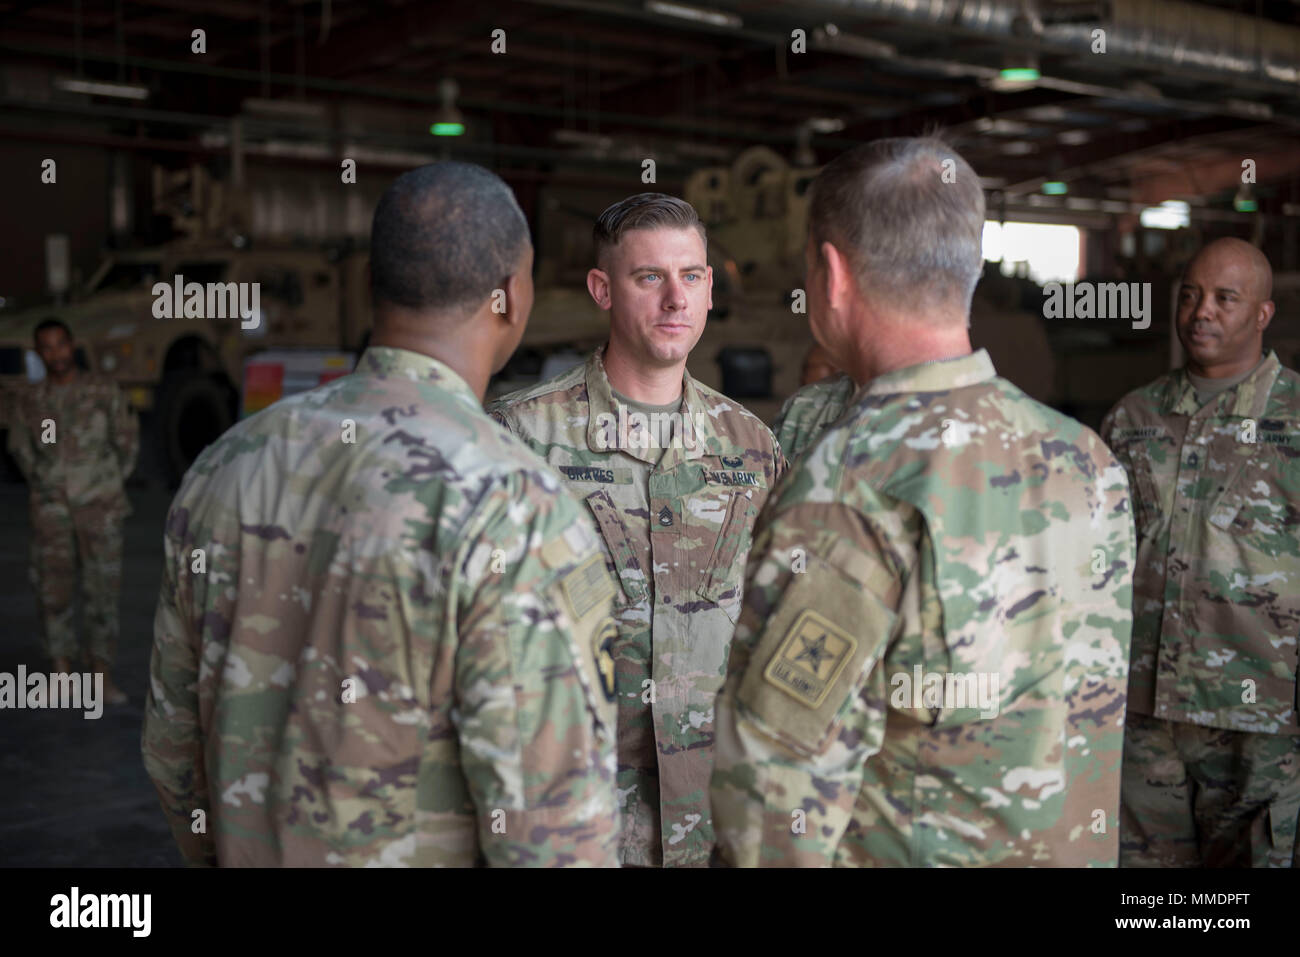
[{"x": 191, "y": 410}]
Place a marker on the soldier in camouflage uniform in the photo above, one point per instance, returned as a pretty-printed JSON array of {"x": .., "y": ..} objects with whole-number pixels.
[
  {"x": 75, "y": 439},
  {"x": 1212, "y": 744},
  {"x": 808, "y": 413},
  {"x": 674, "y": 474},
  {"x": 383, "y": 632},
  {"x": 931, "y": 661}
]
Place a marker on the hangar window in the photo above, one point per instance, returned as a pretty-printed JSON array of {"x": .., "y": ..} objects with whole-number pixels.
[{"x": 1046, "y": 252}]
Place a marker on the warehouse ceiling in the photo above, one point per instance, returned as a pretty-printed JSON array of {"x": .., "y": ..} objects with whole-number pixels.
[{"x": 1183, "y": 94}]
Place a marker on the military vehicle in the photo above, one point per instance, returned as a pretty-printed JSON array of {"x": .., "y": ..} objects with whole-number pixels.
[{"x": 184, "y": 374}]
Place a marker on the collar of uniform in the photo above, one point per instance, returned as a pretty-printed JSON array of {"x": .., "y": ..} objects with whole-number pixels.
[
  {"x": 601, "y": 402},
  {"x": 1251, "y": 394},
  {"x": 391, "y": 362},
  {"x": 937, "y": 376}
]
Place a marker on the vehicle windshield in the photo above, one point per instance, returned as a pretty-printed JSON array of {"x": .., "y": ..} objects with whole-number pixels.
[{"x": 129, "y": 275}]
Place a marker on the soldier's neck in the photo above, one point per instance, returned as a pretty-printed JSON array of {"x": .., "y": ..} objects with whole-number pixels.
[
  {"x": 886, "y": 348},
  {"x": 67, "y": 378},
  {"x": 653, "y": 385}
]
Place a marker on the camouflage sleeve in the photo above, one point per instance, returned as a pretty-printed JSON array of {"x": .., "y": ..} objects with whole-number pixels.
[
  {"x": 534, "y": 678},
  {"x": 126, "y": 432},
  {"x": 782, "y": 428},
  {"x": 799, "y": 713},
  {"x": 779, "y": 461},
  {"x": 20, "y": 442},
  {"x": 171, "y": 742}
]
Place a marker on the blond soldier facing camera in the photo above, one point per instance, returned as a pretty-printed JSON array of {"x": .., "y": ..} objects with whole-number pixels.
[
  {"x": 930, "y": 665},
  {"x": 674, "y": 474},
  {"x": 1212, "y": 743}
]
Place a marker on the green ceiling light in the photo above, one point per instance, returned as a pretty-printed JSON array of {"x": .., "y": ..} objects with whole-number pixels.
[
  {"x": 447, "y": 120},
  {"x": 1019, "y": 71},
  {"x": 1020, "y": 74},
  {"x": 1054, "y": 187}
]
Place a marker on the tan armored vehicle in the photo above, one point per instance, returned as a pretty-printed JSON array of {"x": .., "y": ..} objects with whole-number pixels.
[{"x": 186, "y": 372}]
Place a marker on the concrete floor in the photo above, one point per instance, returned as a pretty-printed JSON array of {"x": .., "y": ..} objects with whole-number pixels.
[{"x": 74, "y": 792}]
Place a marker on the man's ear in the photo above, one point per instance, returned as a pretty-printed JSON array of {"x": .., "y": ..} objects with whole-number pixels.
[
  {"x": 1265, "y": 314},
  {"x": 839, "y": 277},
  {"x": 708, "y": 271},
  {"x": 514, "y": 313},
  {"x": 598, "y": 286}
]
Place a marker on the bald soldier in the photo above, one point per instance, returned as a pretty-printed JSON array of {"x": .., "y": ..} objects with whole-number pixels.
[
  {"x": 1212, "y": 744},
  {"x": 674, "y": 474},
  {"x": 823, "y": 396},
  {"x": 931, "y": 662},
  {"x": 383, "y": 631}
]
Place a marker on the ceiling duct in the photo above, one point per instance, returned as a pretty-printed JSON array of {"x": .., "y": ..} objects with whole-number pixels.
[{"x": 1179, "y": 36}]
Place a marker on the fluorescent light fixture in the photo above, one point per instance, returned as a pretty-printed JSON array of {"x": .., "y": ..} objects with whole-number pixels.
[
  {"x": 1054, "y": 187},
  {"x": 1171, "y": 214},
  {"x": 1021, "y": 74},
  {"x": 124, "y": 91},
  {"x": 696, "y": 14},
  {"x": 447, "y": 120},
  {"x": 288, "y": 108}
]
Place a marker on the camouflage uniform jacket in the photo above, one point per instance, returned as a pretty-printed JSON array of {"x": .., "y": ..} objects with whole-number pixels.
[
  {"x": 1217, "y": 587},
  {"x": 391, "y": 652},
  {"x": 96, "y": 440},
  {"x": 931, "y": 663},
  {"x": 676, "y": 533},
  {"x": 807, "y": 413}
]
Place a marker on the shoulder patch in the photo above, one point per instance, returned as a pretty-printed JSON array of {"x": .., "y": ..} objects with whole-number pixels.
[
  {"x": 602, "y": 650},
  {"x": 810, "y": 658}
]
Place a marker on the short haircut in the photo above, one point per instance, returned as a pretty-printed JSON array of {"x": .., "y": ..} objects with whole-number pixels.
[
  {"x": 909, "y": 222},
  {"x": 47, "y": 324},
  {"x": 444, "y": 236},
  {"x": 644, "y": 211}
]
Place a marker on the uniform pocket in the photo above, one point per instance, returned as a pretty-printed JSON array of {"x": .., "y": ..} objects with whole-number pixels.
[
  {"x": 1252, "y": 507},
  {"x": 1144, "y": 493},
  {"x": 626, "y": 566},
  {"x": 723, "y": 577}
]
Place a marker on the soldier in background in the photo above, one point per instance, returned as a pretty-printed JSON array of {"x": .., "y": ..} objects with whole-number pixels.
[
  {"x": 824, "y": 395},
  {"x": 75, "y": 439},
  {"x": 1212, "y": 743},
  {"x": 675, "y": 474},
  {"x": 383, "y": 631},
  {"x": 930, "y": 665}
]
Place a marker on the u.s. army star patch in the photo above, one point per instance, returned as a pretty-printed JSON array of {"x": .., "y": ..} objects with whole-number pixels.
[{"x": 810, "y": 658}]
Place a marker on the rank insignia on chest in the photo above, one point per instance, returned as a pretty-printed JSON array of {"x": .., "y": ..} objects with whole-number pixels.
[
  {"x": 810, "y": 658},
  {"x": 665, "y": 516}
]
